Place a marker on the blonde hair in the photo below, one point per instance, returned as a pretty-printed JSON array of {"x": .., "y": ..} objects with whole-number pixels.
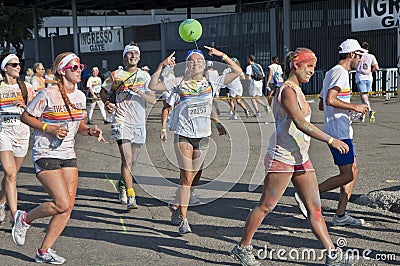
[{"x": 58, "y": 78}]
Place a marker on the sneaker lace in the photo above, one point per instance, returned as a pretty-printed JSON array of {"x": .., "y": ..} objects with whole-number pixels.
[{"x": 248, "y": 252}]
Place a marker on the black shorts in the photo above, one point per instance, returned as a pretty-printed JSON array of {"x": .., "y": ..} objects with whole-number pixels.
[
  {"x": 197, "y": 143},
  {"x": 47, "y": 164}
]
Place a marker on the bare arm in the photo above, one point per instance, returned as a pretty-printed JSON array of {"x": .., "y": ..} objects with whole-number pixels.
[
  {"x": 155, "y": 83},
  {"x": 164, "y": 117},
  {"x": 333, "y": 100},
  {"x": 269, "y": 78},
  {"x": 375, "y": 67},
  {"x": 321, "y": 104},
  {"x": 235, "y": 69},
  {"x": 84, "y": 130}
]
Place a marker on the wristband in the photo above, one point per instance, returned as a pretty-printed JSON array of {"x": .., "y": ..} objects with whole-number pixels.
[
  {"x": 164, "y": 130},
  {"x": 44, "y": 126},
  {"x": 88, "y": 132},
  {"x": 330, "y": 141},
  {"x": 224, "y": 57}
]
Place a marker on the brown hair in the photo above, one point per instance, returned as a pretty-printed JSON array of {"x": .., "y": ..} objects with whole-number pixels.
[
  {"x": 58, "y": 78},
  {"x": 21, "y": 84}
]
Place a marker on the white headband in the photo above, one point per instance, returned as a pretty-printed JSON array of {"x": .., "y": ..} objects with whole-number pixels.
[
  {"x": 6, "y": 60},
  {"x": 65, "y": 61},
  {"x": 130, "y": 48}
]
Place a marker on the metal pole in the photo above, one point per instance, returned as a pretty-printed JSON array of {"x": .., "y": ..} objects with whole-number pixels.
[
  {"x": 36, "y": 32},
  {"x": 52, "y": 48},
  {"x": 286, "y": 26},
  {"x": 75, "y": 27}
]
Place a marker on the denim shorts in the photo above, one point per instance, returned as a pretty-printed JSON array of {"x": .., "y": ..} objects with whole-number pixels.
[
  {"x": 343, "y": 159},
  {"x": 364, "y": 86},
  {"x": 47, "y": 164}
]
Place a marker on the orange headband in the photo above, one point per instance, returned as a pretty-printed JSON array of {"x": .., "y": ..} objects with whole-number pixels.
[{"x": 302, "y": 56}]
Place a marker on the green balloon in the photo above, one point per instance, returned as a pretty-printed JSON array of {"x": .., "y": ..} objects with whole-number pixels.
[{"x": 190, "y": 30}]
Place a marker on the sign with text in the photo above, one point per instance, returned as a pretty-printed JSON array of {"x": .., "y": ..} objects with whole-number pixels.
[
  {"x": 101, "y": 41},
  {"x": 374, "y": 14}
]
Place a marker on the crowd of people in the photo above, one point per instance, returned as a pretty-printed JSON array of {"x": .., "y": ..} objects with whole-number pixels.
[{"x": 55, "y": 108}]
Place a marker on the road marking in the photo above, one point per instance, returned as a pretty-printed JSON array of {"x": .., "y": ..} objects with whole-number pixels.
[
  {"x": 112, "y": 182},
  {"x": 121, "y": 220}
]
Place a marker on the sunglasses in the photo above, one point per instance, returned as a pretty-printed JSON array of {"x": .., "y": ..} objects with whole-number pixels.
[
  {"x": 13, "y": 64},
  {"x": 74, "y": 67}
]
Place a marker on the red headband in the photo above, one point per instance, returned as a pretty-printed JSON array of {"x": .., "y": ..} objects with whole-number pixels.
[{"x": 302, "y": 56}]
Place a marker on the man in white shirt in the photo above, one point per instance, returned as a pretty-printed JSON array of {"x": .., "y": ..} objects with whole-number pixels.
[
  {"x": 335, "y": 102},
  {"x": 365, "y": 67}
]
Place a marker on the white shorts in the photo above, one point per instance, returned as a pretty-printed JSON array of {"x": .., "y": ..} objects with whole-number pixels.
[
  {"x": 135, "y": 134},
  {"x": 235, "y": 92},
  {"x": 18, "y": 147},
  {"x": 255, "y": 91}
]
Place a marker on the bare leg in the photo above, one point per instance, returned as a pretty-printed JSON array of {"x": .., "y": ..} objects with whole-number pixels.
[
  {"x": 61, "y": 186},
  {"x": 241, "y": 103},
  {"x": 274, "y": 186},
  {"x": 254, "y": 102},
  {"x": 129, "y": 154},
  {"x": 306, "y": 185},
  {"x": 11, "y": 166},
  {"x": 347, "y": 190},
  {"x": 190, "y": 162},
  {"x": 344, "y": 177}
]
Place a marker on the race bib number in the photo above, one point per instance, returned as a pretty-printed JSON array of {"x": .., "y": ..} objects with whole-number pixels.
[
  {"x": 10, "y": 119},
  {"x": 198, "y": 110},
  {"x": 116, "y": 131}
]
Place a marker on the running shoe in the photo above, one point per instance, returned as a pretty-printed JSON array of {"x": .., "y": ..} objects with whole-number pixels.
[
  {"x": 247, "y": 113},
  {"x": 50, "y": 257},
  {"x": 268, "y": 109},
  {"x": 184, "y": 227},
  {"x": 233, "y": 117},
  {"x": 245, "y": 255},
  {"x": 176, "y": 217},
  {"x": 302, "y": 208},
  {"x": 131, "y": 203},
  {"x": 19, "y": 228},
  {"x": 123, "y": 199},
  {"x": 2, "y": 212},
  {"x": 372, "y": 116},
  {"x": 347, "y": 220},
  {"x": 257, "y": 114},
  {"x": 339, "y": 258},
  {"x": 194, "y": 200}
]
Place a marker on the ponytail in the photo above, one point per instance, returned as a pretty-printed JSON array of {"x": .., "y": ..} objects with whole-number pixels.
[{"x": 288, "y": 59}]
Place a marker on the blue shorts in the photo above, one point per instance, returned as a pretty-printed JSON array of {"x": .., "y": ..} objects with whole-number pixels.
[
  {"x": 343, "y": 159},
  {"x": 364, "y": 86}
]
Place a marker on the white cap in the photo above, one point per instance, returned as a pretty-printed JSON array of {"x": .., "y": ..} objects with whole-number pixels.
[
  {"x": 210, "y": 63},
  {"x": 350, "y": 45},
  {"x": 145, "y": 68}
]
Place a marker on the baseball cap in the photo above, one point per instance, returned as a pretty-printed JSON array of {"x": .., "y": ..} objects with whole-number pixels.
[
  {"x": 145, "y": 68},
  {"x": 209, "y": 63},
  {"x": 351, "y": 45}
]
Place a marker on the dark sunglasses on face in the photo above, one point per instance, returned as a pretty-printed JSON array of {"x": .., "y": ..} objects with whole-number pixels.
[
  {"x": 74, "y": 67},
  {"x": 13, "y": 64}
]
